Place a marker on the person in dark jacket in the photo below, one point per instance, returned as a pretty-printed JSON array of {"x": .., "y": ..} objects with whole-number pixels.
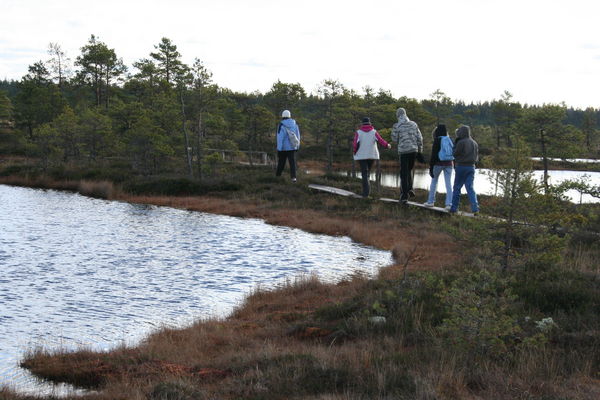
[
  {"x": 286, "y": 149},
  {"x": 437, "y": 166},
  {"x": 466, "y": 154},
  {"x": 365, "y": 150}
]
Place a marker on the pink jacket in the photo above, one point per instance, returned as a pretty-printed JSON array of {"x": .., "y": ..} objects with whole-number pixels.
[{"x": 368, "y": 128}]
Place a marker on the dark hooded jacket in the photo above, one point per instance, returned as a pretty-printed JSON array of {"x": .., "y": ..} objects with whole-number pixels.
[{"x": 466, "y": 150}]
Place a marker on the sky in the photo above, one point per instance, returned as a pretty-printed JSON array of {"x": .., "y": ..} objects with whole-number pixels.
[{"x": 473, "y": 50}]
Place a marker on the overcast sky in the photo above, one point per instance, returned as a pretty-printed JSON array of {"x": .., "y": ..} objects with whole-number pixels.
[{"x": 541, "y": 51}]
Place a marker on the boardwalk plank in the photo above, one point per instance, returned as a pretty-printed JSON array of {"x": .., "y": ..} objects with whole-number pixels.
[{"x": 347, "y": 193}]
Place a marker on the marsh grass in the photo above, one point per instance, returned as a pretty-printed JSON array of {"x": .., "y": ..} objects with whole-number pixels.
[
  {"x": 307, "y": 339},
  {"x": 585, "y": 259},
  {"x": 454, "y": 327},
  {"x": 100, "y": 189}
]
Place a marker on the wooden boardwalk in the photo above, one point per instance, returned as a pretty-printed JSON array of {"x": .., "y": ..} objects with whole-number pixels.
[
  {"x": 347, "y": 193},
  {"x": 333, "y": 190}
]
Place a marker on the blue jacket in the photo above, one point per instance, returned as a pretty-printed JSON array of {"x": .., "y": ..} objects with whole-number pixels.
[{"x": 283, "y": 143}]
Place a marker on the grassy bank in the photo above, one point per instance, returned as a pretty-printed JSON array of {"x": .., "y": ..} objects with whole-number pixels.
[{"x": 445, "y": 322}]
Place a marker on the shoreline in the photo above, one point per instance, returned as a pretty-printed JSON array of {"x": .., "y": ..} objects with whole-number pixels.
[
  {"x": 308, "y": 337},
  {"x": 378, "y": 234}
]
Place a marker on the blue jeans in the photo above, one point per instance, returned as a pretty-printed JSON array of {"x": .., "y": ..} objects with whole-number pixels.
[
  {"x": 464, "y": 175},
  {"x": 437, "y": 170}
]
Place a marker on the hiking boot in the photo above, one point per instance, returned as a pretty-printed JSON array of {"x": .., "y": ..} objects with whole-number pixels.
[{"x": 428, "y": 204}]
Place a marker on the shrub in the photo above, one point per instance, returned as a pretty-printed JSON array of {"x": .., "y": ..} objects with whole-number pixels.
[
  {"x": 178, "y": 187},
  {"x": 19, "y": 170},
  {"x": 559, "y": 290},
  {"x": 480, "y": 307}
]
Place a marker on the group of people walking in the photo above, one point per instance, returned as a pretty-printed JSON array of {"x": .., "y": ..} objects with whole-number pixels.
[{"x": 459, "y": 156}]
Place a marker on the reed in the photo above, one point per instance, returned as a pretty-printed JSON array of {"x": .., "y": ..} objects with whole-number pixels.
[{"x": 97, "y": 189}]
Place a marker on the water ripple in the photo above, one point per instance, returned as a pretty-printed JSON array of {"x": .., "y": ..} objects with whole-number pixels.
[{"x": 78, "y": 271}]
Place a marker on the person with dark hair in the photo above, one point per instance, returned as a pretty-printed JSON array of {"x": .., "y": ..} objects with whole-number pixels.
[
  {"x": 466, "y": 154},
  {"x": 365, "y": 151},
  {"x": 288, "y": 142},
  {"x": 441, "y": 161},
  {"x": 410, "y": 143}
]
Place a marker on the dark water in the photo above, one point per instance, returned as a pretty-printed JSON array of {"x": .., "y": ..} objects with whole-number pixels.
[{"x": 79, "y": 271}]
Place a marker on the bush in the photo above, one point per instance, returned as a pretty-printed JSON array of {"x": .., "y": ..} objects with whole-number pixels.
[
  {"x": 20, "y": 170},
  {"x": 560, "y": 290},
  {"x": 480, "y": 310},
  {"x": 178, "y": 187}
]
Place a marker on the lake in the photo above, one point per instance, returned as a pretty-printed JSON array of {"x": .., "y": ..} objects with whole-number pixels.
[
  {"x": 486, "y": 184},
  {"x": 77, "y": 271}
]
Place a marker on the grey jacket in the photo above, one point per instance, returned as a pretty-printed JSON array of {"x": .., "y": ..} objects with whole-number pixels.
[
  {"x": 466, "y": 150},
  {"x": 407, "y": 134}
]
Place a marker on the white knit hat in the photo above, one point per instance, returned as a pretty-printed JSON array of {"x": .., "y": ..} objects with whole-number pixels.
[{"x": 286, "y": 114}]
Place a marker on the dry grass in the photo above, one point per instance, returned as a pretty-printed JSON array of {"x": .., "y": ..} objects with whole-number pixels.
[
  {"x": 584, "y": 259},
  {"x": 40, "y": 182},
  {"x": 274, "y": 347},
  {"x": 98, "y": 189}
]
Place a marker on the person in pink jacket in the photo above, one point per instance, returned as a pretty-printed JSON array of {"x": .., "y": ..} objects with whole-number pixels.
[{"x": 365, "y": 151}]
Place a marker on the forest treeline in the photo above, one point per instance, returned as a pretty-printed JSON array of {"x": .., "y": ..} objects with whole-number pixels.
[{"x": 159, "y": 109}]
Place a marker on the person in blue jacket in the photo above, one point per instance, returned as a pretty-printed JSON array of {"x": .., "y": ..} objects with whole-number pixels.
[
  {"x": 438, "y": 165},
  {"x": 288, "y": 143}
]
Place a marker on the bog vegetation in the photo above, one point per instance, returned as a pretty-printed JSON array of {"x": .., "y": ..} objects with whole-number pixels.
[{"x": 496, "y": 308}]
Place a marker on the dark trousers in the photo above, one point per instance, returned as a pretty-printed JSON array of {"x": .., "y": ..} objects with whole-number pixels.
[
  {"x": 365, "y": 171},
  {"x": 407, "y": 163},
  {"x": 282, "y": 156}
]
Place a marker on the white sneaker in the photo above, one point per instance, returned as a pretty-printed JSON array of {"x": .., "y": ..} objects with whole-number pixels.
[
  {"x": 293, "y": 179},
  {"x": 448, "y": 207},
  {"x": 428, "y": 204}
]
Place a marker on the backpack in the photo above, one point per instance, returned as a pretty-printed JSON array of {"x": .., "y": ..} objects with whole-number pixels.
[
  {"x": 294, "y": 141},
  {"x": 446, "y": 149}
]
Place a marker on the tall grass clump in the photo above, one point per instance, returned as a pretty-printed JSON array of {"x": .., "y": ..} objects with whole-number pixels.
[{"x": 97, "y": 189}]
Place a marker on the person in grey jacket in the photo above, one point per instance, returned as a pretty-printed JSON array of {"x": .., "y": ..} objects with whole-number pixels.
[
  {"x": 410, "y": 142},
  {"x": 466, "y": 154}
]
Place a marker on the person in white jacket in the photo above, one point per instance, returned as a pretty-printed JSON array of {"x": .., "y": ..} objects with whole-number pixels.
[{"x": 365, "y": 151}]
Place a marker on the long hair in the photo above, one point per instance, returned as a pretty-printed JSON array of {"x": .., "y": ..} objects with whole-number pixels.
[{"x": 440, "y": 130}]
